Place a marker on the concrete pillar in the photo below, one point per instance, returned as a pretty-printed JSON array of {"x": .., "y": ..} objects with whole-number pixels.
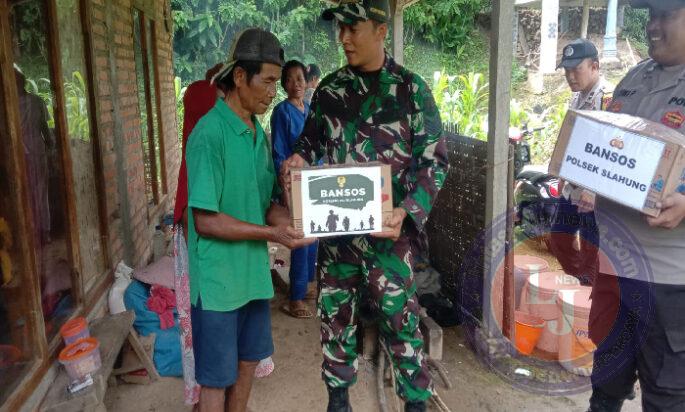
[
  {"x": 549, "y": 36},
  {"x": 610, "y": 51},
  {"x": 516, "y": 31},
  {"x": 585, "y": 22},
  {"x": 563, "y": 20},
  {"x": 621, "y": 18}
]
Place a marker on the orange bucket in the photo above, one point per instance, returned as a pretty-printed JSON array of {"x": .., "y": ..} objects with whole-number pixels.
[
  {"x": 528, "y": 331},
  {"x": 74, "y": 330}
]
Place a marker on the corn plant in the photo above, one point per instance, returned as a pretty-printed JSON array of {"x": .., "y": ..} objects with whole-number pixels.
[{"x": 463, "y": 101}]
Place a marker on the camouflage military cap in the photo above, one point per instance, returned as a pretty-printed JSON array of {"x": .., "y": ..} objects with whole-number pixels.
[{"x": 353, "y": 11}]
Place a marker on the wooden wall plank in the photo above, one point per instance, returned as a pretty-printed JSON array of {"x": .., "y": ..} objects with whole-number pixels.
[{"x": 501, "y": 55}]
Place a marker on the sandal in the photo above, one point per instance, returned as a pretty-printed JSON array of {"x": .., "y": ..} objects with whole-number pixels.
[
  {"x": 301, "y": 313},
  {"x": 264, "y": 368},
  {"x": 311, "y": 294}
]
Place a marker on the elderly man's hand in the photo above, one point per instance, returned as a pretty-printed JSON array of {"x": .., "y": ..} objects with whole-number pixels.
[
  {"x": 672, "y": 212},
  {"x": 392, "y": 225},
  {"x": 289, "y": 237},
  {"x": 293, "y": 162}
]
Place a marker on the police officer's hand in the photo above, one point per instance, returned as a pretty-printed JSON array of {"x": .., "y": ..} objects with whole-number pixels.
[
  {"x": 289, "y": 237},
  {"x": 392, "y": 226},
  {"x": 586, "y": 203},
  {"x": 293, "y": 162},
  {"x": 672, "y": 212}
]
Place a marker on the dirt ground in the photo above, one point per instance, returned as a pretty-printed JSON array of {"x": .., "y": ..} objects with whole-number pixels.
[{"x": 295, "y": 385}]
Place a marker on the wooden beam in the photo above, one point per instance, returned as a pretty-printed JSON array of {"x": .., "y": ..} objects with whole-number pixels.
[
  {"x": 148, "y": 107},
  {"x": 14, "y": 207},
  {"x": 94, "y": 116},
  {"x": 63, "y": 148},
  {"x": 501, "y": 57}
]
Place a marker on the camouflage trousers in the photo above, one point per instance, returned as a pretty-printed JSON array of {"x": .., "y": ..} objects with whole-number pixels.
[{"x": 382, "y": 270}]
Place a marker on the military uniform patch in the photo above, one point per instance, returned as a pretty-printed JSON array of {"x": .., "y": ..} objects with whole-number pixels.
[
  {"x": 673, "y": 120},
  {"x": 615, "y": 106},
  {"x": 606, "y": 102}
]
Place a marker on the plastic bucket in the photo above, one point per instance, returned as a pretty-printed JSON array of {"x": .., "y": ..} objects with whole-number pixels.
[
  {"x": 74, "y": 330},
  {"x": 575, "y": 346},
  {"x": 539, "y": 298},
  {"x": 81, "y": 358},
  {"x": 524, "y": 266},
  {"x": 528, "y": 330}
]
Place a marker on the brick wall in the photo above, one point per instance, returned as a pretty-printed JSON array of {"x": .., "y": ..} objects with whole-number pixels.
[{"x": 131, "y": 221}]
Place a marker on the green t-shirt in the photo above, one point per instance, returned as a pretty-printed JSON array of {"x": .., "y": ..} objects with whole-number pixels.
[{"x": 230, "y": 171}]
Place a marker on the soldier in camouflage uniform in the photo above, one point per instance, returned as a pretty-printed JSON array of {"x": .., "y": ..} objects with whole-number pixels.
[{"x": 374, "y": 110}]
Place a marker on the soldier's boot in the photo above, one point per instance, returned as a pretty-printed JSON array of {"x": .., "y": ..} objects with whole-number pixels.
[
  {"x": 415, "y": 406},
  {"x": 601, "y": 402},
  {"x": 338, "y": 400}
]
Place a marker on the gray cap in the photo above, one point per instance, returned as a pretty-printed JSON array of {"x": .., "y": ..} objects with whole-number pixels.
[
  {"x": 575, "y": 52},
  {"x": 253, "y": 44},
  {"x": 662, "y": 5}
]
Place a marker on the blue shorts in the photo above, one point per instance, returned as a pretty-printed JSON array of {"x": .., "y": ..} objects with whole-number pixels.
[{"x": 221, "y": 339}]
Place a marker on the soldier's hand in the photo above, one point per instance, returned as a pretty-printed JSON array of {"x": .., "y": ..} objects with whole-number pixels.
[
  {"x": 289, "y": 237},
  {"x": 293, "y": 162},
  {"x": 672, "y": 212},
  {"x": 392, "y": 226}
]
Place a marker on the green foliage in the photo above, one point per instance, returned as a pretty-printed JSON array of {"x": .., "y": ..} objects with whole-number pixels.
[
  {"x": 518, "y": 115},
  {"x": 180, "y": 91},
  {"x": 463, "y": 101},
  {"x": 447, "y": 23},
  {"x": 204, "y": 30},
  {"x": 635, "y": 22},
  {"x": 542, "y": 143},
  {"x": 76, "y": 102}
]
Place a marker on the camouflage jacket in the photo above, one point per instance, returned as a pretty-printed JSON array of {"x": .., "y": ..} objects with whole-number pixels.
[{"x": 391, "y": 118}]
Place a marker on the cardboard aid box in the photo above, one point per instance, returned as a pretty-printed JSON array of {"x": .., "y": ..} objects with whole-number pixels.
[
  {"x": 340, "y": 200},
  {"x": 632, "y": 161}
]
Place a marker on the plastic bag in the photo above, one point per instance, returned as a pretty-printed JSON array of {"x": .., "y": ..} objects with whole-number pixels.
[{"x": 122, "y": 278}]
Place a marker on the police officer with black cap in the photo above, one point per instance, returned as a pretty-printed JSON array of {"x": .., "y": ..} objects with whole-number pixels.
[
  {"x": 580, "y": 61},
  {"x": 655, "y": 353}
]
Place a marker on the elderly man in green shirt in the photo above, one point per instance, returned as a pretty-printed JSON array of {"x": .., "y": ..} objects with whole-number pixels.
[{"x": 231, "y": 181}]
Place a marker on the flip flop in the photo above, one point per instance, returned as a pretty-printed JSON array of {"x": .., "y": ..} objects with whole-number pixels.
[
  {"x": 264, "y": 368},
  {"x": 302, "y": 313}
]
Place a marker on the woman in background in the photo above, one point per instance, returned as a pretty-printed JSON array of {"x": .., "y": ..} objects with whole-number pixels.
[{"x": 287, "y": 122}]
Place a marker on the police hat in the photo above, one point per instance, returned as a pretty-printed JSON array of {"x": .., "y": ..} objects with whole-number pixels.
[
  {"x": 577, "y": 51},
  {"x": 662, "y": 5}
]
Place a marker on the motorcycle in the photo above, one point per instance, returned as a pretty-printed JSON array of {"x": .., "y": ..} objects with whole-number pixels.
[{"x": 536, "y": 193}]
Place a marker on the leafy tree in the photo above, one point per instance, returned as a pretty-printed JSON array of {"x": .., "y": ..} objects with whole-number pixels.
[
  {"x": 449, "y": 24},
  {"x": 204, "y": 30}
]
